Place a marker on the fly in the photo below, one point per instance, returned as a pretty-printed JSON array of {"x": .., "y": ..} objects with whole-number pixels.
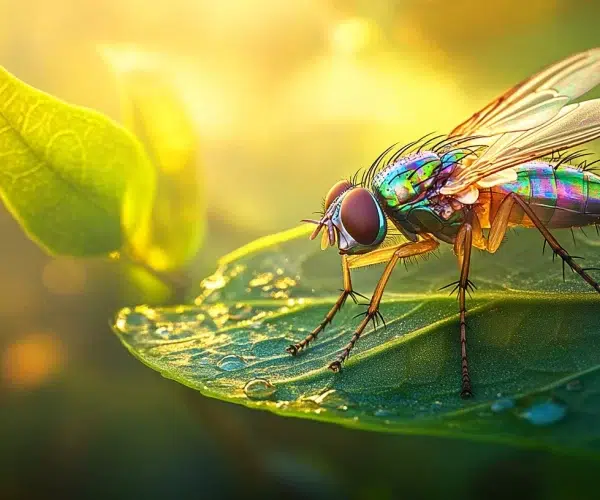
[{"x": 504, "y": 166}]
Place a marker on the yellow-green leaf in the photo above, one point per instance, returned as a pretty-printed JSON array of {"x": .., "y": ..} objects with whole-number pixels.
[
  {"x": 153, "y": 110},
  {"x": 74, "y": 179}
]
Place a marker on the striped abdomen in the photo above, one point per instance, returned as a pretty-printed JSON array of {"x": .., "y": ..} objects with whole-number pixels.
[{"x": 566, "y": 197}]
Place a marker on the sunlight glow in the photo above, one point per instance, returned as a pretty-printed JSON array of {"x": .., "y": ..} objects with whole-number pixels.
[
  {"x": 30, "y": 361},
  {"x": 351, "y": 35}
]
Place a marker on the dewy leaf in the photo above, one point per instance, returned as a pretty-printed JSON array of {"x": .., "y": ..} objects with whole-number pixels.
[
  {"x": 534, "y": 343},
  {"x": 153, "y": 110},
  {"x": 75, "y": 180}
]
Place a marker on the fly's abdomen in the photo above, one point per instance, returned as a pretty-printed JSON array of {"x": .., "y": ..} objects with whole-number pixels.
[{"x": 563, "y": 197}]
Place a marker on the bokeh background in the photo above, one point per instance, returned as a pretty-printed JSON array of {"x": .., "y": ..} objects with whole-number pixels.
[{"x": 284, "y": 98}]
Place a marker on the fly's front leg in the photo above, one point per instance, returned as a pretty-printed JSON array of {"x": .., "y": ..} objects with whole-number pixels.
[
  {"x": 402, "y": 252},
  {"x": 345, "y": 293}
]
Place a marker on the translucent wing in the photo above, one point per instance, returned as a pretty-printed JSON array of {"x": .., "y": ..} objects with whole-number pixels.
[
  {"x": 534, "y": 110},
  {"x": 537, "y": 99},
  {"x": 573, "y": 125}
]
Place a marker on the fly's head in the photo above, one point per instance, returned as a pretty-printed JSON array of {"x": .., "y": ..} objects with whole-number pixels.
[{"x": 352, "y": 218}]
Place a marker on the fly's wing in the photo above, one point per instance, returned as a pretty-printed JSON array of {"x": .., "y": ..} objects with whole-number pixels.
[
  {"x": 537, "y": 99},
  {"x": 534, "y": 110},
  {"x": 573, "y": 125}
]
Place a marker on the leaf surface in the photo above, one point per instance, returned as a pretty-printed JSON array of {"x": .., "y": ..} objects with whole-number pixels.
[{"x": 534, "y": 343}]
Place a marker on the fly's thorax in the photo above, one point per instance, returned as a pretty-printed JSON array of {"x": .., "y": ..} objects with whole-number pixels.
[{"x": 407, "y": 179}]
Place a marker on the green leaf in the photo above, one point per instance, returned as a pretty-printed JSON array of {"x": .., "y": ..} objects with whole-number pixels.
[
  {"x": 75, "y": 180},
  {"x": 534, "y": 343},
  {"x": 154, "y": 111}
]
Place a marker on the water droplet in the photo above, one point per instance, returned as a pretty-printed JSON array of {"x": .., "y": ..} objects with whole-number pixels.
[
  {"x": 330, "y": 398},
  {"x": 230, "y": 363},
  {"x": 219, "y": 313},
  {"x": 502, "y": 404},
  {"x": 544, "y": 412},
  {"x": 214, "y": 282},
  {"x": 259, "y": 388},
  {"x": 285, "y": 283},
  {"x": 261, "y": 279},
  {"x": 574, "y": 386},
  {"x": 129, "y": 320},
  {"x": 163, "y": 332}
]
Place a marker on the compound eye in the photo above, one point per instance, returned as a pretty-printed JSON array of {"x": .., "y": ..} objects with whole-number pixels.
[
  {"x": 335, "y": 191},
  {"x": 360, "y": 216}
]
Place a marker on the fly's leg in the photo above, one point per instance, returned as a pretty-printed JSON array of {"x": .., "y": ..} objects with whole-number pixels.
[
  {"x": 404, "y": 251},
  {"x": 462, "y": 248},
  {"x": 345, "y": 293},
  {"x": 555, "y": 245}
]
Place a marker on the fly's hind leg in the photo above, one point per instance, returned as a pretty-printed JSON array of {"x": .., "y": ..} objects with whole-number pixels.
[
  {"x": 555, "y": 245},
  {"x": 345, "y": 293},
  {"x": 392, "y": 255}
]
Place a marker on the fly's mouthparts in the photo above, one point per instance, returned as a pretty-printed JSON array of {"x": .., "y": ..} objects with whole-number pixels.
[
  {"x": 317, "y": 230},
  {"x": 324, "y": 222}
]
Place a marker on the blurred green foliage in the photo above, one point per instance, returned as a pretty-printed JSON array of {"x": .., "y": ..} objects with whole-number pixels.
[{"x": 153, "y": 111}]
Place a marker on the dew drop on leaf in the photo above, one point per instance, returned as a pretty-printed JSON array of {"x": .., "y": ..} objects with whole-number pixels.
[
  {"x": 544, "y": 412},
  {"x": 162, "y": 332},
  {"x": 261, "y": 279},
  {"x": 214, "y": 282},
  {"x": 502, "y": 404},
  {"x": 331, "y": 398},
  {"x": 230, "y": 363},
  {"x": 259, "y": 388},
  {"x": 129, "y": 320}
]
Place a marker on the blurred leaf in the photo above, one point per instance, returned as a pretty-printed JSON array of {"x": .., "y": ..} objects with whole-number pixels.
[
  {"x": 75, "y": 180},
  {"x": 534, "y": 353},
  {"x": 154, "y": 111}
]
